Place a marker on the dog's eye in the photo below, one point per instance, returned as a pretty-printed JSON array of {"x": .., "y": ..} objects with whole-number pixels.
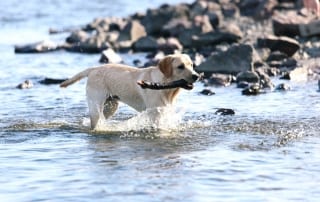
[{"x": 181, "y": 67}]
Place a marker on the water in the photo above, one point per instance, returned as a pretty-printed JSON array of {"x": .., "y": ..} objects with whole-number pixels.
[{"x": 268, "y": 151}]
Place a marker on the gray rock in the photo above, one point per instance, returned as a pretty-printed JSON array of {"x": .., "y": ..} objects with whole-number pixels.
[
  {"x": 132, "y": 31},
  {"x": 156, "y": 18},
  {"x": 229, "y": 34},
  {"x": 237, "y": 58},
  {"x": 77, "y": 36},
  {"x": 248, "y": 76},
  {"x": 145, "y": 44},
  {"x": 95, "y": 44}
]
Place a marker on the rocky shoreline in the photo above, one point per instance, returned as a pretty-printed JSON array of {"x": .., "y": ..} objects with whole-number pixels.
[{"x": 241, "y": 41}]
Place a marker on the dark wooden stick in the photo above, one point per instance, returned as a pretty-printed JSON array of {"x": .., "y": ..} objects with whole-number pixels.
[{"x": 160, "y": 86}]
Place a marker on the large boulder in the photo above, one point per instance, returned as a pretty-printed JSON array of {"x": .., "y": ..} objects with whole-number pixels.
[
  {"x": 291, "y": 24},
  {"x": 238, "y": 58},
  {"x": 283, "y": 44},
  {"x": 132, "y": 31}
]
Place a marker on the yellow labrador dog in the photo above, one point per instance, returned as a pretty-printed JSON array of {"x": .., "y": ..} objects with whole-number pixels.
[{"x": 110, "y": 83}]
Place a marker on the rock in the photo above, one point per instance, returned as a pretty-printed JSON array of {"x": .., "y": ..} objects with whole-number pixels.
[
  {"x": 289, "y": 23},
  {"x": 243, "y": 84},
  {"x": 261, "y": 9},
  {"x": 276, "y": 56},
  {"x": 170, "y": 45},
  {"x": 248, "y": 76},
  {"x": 283, "y": 44},
  {"x": 106, "y": 24},
  {"x": 38, "y": 47},
  {"x": 132, "y": 31},
  {"x": 297, "y": 74},
  {"x": 49, "y": 81},
  {"x": 230, "y": 10},
  {"x": 283, "y": 87},
  {"x": 264, "y": 79},
  {"x": 253, "y": 89},
  {"x": 175, "y": 27},
  {"x": 318, "y": 85},
  {"x": 207, "y": 92},
  {"x": 230, "y": 34},
  {"x": 225, "y": 111},
  {"x": 238, "y": 58},
  {"x": 25, "y": 85},
  {"x": 145, "y": 44},
  {"x": 286, "y": 63},
  {"x": 77, "y": 36},
  {"x": 95, "y": 44},
  {"x": 154, "y": 19},
  {"x": 109, "y": 56},
  {"x": 219, "y": 80}
]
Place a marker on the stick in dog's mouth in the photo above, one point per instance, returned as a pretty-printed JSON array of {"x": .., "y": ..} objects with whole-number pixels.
[{"x": 160, "y": 86}]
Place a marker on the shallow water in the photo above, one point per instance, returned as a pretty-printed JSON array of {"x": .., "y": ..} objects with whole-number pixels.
[{"x": 267, "y": 151}]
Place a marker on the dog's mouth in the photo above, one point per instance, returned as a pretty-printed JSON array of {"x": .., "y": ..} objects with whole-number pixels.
[{"x": 160, "y": 86}]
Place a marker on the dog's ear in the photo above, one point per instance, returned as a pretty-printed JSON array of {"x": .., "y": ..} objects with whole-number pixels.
[{"x": 165, "y": 66}]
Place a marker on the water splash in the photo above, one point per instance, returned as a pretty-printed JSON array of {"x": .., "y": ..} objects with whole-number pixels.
[{"x": 163, "y": 121}]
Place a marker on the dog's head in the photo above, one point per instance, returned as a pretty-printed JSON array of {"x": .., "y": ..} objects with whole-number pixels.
[{"x": 179, "y": 67}]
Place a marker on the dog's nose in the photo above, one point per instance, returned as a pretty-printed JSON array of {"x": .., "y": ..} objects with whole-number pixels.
[{"x": 195, "y": 77}]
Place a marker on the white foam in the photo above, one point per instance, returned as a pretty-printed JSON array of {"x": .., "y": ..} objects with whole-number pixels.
[{"x": 165, "y": 119}]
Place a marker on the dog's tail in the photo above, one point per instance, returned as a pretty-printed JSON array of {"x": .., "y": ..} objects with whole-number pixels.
[{"x": 76, "y": 78}]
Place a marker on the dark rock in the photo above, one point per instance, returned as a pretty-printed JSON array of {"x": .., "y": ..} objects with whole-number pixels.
[
  {"x": 106, "y": 24},
  {"x": 264, "y": 79},
  {"x": 248, "y": 76},
  {"x": 154, "y": 19},
  {"x": 277, "y": 56},
  {"x": 243, "y": 84},
  {"x": 77, "y": 36},
  {"x": 286, "y": 63},
  {"x": 290, "y": 23},
  {"x": 283, "y": 87},
  {"x": 49, "y": 81},
  {"x": 253, "y": 89},
  {"x": 109, "y": 56},
  {"x": 261, "y": 9},
  {"x": 219, "y": 80},
  {"x": 170, "y": 45},
  {"x": 38, "y": 47},
  {"x": 236, "y": 59},
  {"x": 230, "y": 10},
  {"x": 207, "y": 92},
  {"x": 145, "y": 44},
  {"x": 25, "y": 85},
  {"x": 225, "y": 111},
  {"x": 229, "y": 34},
  {"x": 95, "y": 44},
  {"x": 176, "y": 26},
  {"x": 284, "y": 44}
]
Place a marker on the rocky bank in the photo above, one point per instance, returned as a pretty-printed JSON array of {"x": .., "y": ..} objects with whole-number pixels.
[{"x": 242, "y": 41}]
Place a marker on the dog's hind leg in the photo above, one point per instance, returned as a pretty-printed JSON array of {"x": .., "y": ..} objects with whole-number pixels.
[
  {"x": 95, "y": 101},
  {"x": 110, "y": 106}
]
